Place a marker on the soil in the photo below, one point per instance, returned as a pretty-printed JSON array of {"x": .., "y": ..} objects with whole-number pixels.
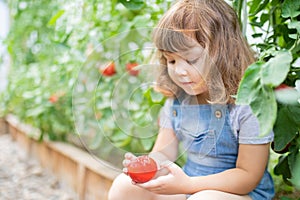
[{"x": 21, "y": 177}]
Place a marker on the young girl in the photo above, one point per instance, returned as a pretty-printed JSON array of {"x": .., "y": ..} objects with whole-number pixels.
[{"x": 203, "y": 56}]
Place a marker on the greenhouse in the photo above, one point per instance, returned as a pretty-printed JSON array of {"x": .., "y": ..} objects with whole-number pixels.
[{"x": 88, "y": 86}]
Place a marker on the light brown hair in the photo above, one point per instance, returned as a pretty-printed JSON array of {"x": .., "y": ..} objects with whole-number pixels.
[{"x": 214, "y": 25}]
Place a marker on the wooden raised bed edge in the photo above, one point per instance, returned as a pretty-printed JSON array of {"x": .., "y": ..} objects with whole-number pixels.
[
  {"x": 90, "y": 177},
  {"x": 3, "y": 126}
]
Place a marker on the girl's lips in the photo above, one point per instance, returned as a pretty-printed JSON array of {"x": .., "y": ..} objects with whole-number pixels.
[{"x": 186, "y": 83}]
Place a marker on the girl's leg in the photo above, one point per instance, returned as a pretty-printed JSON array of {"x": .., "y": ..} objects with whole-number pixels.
[
  {"x": 122, "y": 188},
  {"x": 214, "y": 195}
]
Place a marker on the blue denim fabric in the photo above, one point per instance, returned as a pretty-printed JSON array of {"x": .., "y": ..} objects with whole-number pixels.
[{"x": 210, "y": 144}]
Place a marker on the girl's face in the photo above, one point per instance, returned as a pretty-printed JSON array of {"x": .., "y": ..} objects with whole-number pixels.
[{"x": 186, "y": 69}]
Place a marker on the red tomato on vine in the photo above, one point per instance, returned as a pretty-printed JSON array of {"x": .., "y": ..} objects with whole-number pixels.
[
  {"x": 130, "y": 68},
  {"x": 53, "y": 98},
  {"x": 282, "y": 87},
  {"x": 108, "y": 70}
]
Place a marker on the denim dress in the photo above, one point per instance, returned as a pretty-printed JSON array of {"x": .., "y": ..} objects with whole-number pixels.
[{"x": 208, "y": 140}]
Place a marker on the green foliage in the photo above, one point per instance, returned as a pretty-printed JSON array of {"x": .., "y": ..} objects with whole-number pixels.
[
  {"x": 257, "y": 87},
  {"x": 277, "y": 23},
  {"x": 60, "y": 48}
]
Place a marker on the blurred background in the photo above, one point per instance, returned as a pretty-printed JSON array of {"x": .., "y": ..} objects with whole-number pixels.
[{"x": 81, "y": 72}]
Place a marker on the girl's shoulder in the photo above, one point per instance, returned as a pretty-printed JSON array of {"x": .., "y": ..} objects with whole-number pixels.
[
  {"x": 240, "y": 113},
  {"x": 246, "y": 126},
  {"x": 240, "y": 110}
]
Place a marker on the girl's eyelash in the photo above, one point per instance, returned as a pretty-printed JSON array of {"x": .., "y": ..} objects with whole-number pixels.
[
  {"x": 188, "y": 61},
  {"x": 192, "y": 61}
]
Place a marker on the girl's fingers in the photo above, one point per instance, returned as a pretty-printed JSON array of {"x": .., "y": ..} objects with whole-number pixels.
[
  {"x": 125, "y": 171},
  {"x": 129, "y": 156},
  {"x": 126, "y": 162}
]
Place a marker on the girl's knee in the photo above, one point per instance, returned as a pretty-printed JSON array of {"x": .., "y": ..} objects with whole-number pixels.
[
  {"x": 122, "y": 188},
  {"x": 214, "y": 195},
  {"x": 119, "y": 186},
  {"x": 205, "y": 195}
]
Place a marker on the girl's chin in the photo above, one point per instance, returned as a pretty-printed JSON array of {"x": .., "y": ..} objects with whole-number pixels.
[{"x": 194, "y": 92}]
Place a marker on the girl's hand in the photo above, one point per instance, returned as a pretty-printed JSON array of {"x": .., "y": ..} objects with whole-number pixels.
[
  {"x": 175, "y": 182},
  {"x": 128, "y": 158}
]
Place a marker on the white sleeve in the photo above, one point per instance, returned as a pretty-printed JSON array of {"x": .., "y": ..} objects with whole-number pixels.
[{"x": 249, "y": 132}]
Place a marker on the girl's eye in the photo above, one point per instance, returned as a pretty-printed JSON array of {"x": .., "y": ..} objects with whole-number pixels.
[
  {"x": 172, "y": 62},
  {"x": 192, "y": 61}
]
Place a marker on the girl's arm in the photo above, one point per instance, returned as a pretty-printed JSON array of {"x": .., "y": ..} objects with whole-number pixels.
[
  {"x": 165, "y": 147},
  {"x": 250, "y": 167}
]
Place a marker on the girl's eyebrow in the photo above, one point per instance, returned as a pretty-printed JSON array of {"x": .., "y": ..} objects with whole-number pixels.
[
  {"x": 182, "y": 54},
  {"x": 167, "y": 53}
]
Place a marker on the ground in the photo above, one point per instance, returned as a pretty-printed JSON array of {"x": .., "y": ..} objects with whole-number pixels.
[{"x": 21, "y": 177}]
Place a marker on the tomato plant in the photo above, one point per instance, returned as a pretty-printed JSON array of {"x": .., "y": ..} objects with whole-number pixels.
[
  {"x": 276, "y": 24},
  {"x": 58, "y": 47}
]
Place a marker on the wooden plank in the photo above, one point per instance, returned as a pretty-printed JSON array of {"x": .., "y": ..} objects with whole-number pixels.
[
  {"x": 90, "y": 177},
  {"x": 3, "y": 126}
]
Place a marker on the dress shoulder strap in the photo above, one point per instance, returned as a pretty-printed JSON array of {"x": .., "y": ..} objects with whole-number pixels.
[{"x": 176, "y": 102}]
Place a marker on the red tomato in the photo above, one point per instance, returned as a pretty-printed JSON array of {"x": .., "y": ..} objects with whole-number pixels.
[
  {"x": 53, "y": 99},
  {"x": 109, "y": 70},
  {"x": 130, "y": 68},
  {"x": 282, "y": 86},
  {"x": 142, "y": 169}
]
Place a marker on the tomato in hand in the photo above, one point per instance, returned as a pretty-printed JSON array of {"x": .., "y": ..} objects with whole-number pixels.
[{"x": 142, "y": 169}]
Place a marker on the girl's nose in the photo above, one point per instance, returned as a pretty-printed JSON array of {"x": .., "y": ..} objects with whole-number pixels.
[{"x": 180, "y": 70}]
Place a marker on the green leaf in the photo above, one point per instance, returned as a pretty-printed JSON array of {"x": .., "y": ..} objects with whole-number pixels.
[
  {"x": 295, "y": 114},
  {"x": 133, "y": 4},
  {"x": 125, "y": 29},
  {"x": 34, "y": 112},
  {"x": 290, "y": 8},
  {"x": 147, "y": 95},
  {"x": 296, "y": 172},
  {"x": 123, "y": 143},
  {"x": 257, "y": 35},
  {"x": 285, "y": 128},
  {"x": 249, "y": 84},
  {"x": 260, "y": 97},
  {"x": 254, "y": 6},
  {"x": 276, "y": 69},
  {"x": 53, "y": 20},
  {"x": 257, "y": 6},
  {"x": 282, "y": 167},
  {"x": 137, "y": 146},
  {"x": 285, "y": 198},
  {"x": 294, "y": 25},
  {"x": 264, "y": 107},
  {"x": 156, "y": 97},
  {"x": 139, "y": 21}
]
